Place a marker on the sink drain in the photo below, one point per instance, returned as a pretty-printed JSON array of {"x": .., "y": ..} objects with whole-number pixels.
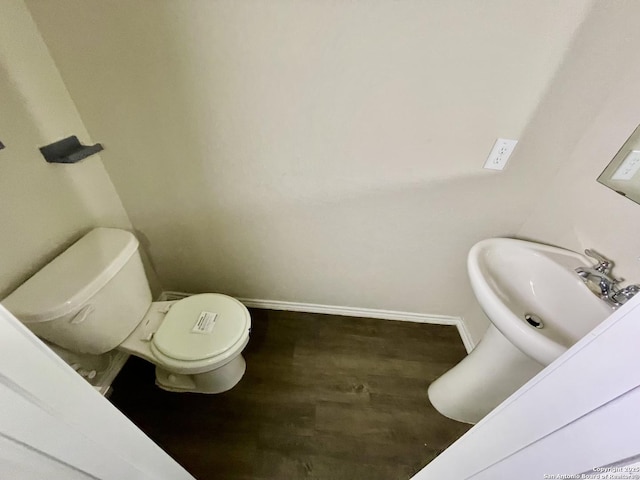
[{"x": 533, "y": 320}]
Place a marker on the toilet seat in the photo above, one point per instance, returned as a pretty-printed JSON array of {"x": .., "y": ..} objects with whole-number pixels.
[{"x": 201, "y": 332}]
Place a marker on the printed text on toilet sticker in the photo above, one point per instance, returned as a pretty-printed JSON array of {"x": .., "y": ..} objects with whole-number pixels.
[{"x": 205, "y": 322}]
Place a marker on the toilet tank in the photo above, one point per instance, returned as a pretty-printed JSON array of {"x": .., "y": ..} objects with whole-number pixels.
[{"x": 90, "y": 297}]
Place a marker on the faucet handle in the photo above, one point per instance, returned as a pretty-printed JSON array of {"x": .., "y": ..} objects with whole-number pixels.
[
  {"x": 604, "y": 264},
  {"x": 624, "y": 294}
]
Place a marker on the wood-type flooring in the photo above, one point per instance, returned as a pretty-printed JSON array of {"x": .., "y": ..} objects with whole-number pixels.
[{"x": 324, "y": 397}]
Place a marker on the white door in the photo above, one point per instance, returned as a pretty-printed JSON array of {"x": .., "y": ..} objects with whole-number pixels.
[
  {"x": 578, "y": 418},
  {"x": 54, "y": 425}
]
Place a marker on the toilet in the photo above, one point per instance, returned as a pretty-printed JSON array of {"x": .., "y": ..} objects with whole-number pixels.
[{"x": 94, "y": 297}]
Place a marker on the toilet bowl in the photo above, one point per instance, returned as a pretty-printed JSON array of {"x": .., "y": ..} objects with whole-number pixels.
[
  {"x": 94, "y": 297},
  {"x": 178, "y": 338}
]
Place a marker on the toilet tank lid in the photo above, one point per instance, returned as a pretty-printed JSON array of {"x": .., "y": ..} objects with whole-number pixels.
[{"x": 73, "y": 277}]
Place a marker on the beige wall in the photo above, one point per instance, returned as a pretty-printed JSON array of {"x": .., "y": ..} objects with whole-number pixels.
[
  {"x": 576, "y": 211},
  {"x": 590, "y": 109},
  {"x": 324, "y": 152},
  {"x": 43, "y": 208},
  {"x": 331, "y": 152}
]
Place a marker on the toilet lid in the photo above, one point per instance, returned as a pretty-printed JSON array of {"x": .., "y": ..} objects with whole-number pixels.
[{"x": 202, "y": 326}]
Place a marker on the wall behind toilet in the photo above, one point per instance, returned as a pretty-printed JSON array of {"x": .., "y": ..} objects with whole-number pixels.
[
  {"x": 44, "y": 207},
  {"x": 323, "y": 152}
]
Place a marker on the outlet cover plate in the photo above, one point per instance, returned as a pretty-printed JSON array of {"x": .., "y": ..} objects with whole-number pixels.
[
  {"x": 500, "y": 154},
  {"x": 629, "y": 166}
]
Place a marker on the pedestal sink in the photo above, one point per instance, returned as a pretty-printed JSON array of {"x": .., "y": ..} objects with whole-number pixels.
[{"x": 538, "y": 307}]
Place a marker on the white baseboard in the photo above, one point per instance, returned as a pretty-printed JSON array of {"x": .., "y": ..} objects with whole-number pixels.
[
  {"x": 465, "y": 335},
  {"x": 365, "y": 313},
  {"x": 350, "y": 312}
]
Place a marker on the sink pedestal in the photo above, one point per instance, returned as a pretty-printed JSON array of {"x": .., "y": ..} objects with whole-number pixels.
[{"x": 479, "y": 383}]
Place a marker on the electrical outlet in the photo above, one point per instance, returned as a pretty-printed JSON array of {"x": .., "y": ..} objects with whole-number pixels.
[
  {"x": 500, "y": 153},
  {"x": 629, "y": 166}
]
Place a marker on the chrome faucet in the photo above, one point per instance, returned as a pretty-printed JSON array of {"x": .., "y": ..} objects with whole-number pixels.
[{"x": 599, "y": 277}]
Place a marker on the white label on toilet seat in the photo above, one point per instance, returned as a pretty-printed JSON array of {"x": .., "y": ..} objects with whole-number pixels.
[{"x": 205, "y": 322}]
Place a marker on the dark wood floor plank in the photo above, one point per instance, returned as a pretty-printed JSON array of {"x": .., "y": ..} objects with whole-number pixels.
[{"x": 324, "y": 397}]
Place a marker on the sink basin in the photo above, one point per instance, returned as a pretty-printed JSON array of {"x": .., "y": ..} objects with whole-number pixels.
[
  {"x": 513, "y": 279},
  {"x": 538, "y": 307}
]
